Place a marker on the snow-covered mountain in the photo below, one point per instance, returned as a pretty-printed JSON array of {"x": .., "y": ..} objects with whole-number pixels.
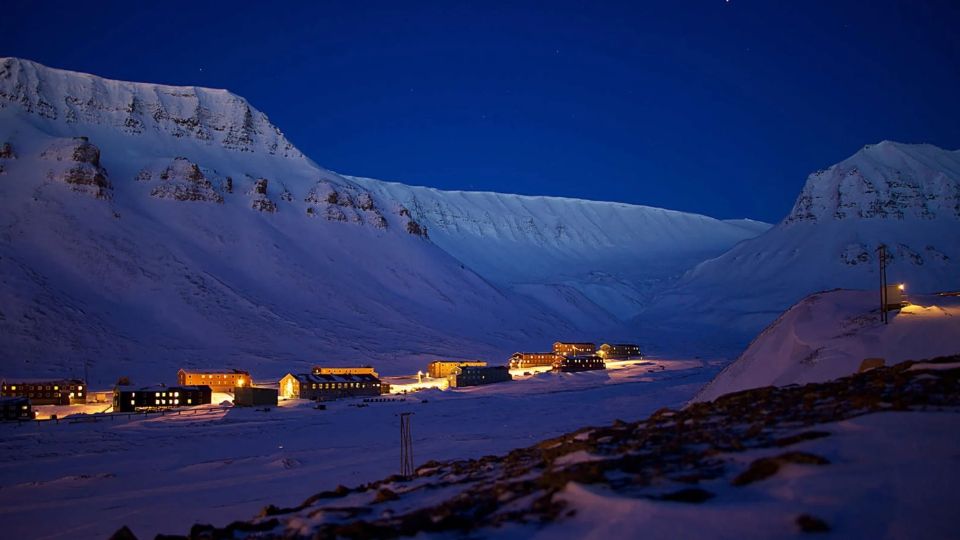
[
  {"x": 146, "y": 227},
  {"x": 906, "y": 196},
  {"x": 827, "y": 335},
  {"x": 562, "y": 250}
]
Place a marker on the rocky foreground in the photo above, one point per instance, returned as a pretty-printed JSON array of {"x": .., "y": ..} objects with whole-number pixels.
[{"x": 668, "y": 457}]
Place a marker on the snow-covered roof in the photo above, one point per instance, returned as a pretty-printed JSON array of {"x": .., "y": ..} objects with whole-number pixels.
[{"x": 311, "y": 378}]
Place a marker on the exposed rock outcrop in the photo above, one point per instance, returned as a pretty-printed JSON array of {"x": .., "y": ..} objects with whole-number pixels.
[
  {"x": 77, "y": 163},
  {"x": 6, "y": 151},
  {"x": 410, "y": 224},
  {"x": 182, "y": 180},
  {"x": 343, "y": 204},
  {"x": 260, "y": 200},
  {"x": 210, "y": 116}
]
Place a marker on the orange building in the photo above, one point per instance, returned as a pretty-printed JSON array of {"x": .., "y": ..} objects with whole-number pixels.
[
  {"x": 441, "y": 368},
  {"x": 354, "y": 370},
  {"x": 219, "y": 380},
  {"x": 570, "y": 348},
  {"x": 619, "y": 351},
  {"x": 523, "y": 360}
]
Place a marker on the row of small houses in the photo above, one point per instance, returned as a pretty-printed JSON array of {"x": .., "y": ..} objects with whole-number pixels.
[{"x": 196, "y": 386}]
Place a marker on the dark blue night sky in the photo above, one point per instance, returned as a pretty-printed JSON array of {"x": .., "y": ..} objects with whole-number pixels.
[{"x": 710, "y": 106}]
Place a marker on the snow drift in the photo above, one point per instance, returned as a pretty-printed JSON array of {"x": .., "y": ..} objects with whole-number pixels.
[{"x": 827, "y": 336}]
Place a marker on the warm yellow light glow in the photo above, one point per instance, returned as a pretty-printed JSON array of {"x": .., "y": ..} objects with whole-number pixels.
[
  {"x": 901, "y": 286},
  {"x": 239, "y": 382}
]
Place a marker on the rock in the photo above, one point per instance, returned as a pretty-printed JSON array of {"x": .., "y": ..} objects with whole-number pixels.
[
  {"x": 264, "y": 205},
  {"x": 6, "y": 151},
  {"x": 811, "y": 524},
  {"x": 81, "y": 168},
  {"x": 228, "y": 185},
  {"x": 183, "y": 180},
  {"x": 689, "y": 495},
  {"x": 260, "y": 187}
]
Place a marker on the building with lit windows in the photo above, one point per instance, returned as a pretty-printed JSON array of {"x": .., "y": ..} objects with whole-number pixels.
[
  {"x": 41, "y": 392},
  {"x": 587, "y": 362},
  {"x": 619, "y": 351},
  {"x": 323, "y": 387},
  {"x": 219, "y": 380},
  {"x": 15, "y": 408},
  {"x": 442, "y": 368},
  {"x": 354, "y": 370},
  {"x": 160, "y": 397},
  {"x": 571, "y": 348},
  {"x": 477, "y": 375},
  {"x": 523, "y": 360}
]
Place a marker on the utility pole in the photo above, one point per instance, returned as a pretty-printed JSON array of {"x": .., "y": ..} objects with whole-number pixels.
[
  {"x": 406, "y": 446},
  {"x": 882, "y": 258}
]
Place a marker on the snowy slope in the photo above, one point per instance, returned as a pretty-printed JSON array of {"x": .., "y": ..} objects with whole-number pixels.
[
  {"x": 145, "y": 227},
  {"x": 905, "y": 196},
  {"x": 613, "y": 254},
  {"x": 137, "y": 251},
  {"x": 827, "y": 336}
]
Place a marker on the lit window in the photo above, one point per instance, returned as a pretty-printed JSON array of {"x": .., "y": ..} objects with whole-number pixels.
[
  {"x": 176, "y": 402},
  {"x": 189, "y": 401},
  {"x": 13, "y": 387},
  {"x": 176, "y": 394},
  {"x": 156, "y": 393}
]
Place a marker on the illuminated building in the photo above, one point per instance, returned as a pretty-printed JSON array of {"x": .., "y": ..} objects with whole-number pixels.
[
  {"x": 441, "y": 368},
  {"x": 160, "y": 397},
  {"x": 619, "y": 351},
  {"x": 41, "y": 392},
  {"x": 579, "y": 363},
  {"x": 219, "y": 380},
  {"x": 569, "y": 348},
  {"x": 321, "y": 387},
  {"x": 523, "y": 360},
  {"x": 356, "y": 370}
]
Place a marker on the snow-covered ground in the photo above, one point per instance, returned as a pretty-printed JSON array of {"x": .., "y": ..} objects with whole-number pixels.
[
  {"x": 165, "y": 473},
  {"x": 827, "y": 335},
  {"x": 890, "y": 476}
]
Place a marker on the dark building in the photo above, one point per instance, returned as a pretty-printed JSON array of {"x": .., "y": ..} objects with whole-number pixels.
[
  {"x": 321, "y": 387},
  {"x": 522, "y": 360},
  {"x": 579, "y": 363},
  {"x": 160, "y": 397},
  {"x": 41, "y": 392},
  {"x": 254, "y": 396},
  {"x": 619, "y": 351},
  {"x": 570, "y": 348},
  {"x": 15, "y": 408},
  {"x": 477, "y": 375}
]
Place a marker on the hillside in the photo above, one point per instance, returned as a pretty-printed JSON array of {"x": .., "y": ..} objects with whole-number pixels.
[
  {"x": 905, "y": 196},
  {"x": 827, "y": 335},
  {"x": 757, "y": 464},
  {"x": 615, "y": 255},
  {"x": 148, "y": 227}
]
